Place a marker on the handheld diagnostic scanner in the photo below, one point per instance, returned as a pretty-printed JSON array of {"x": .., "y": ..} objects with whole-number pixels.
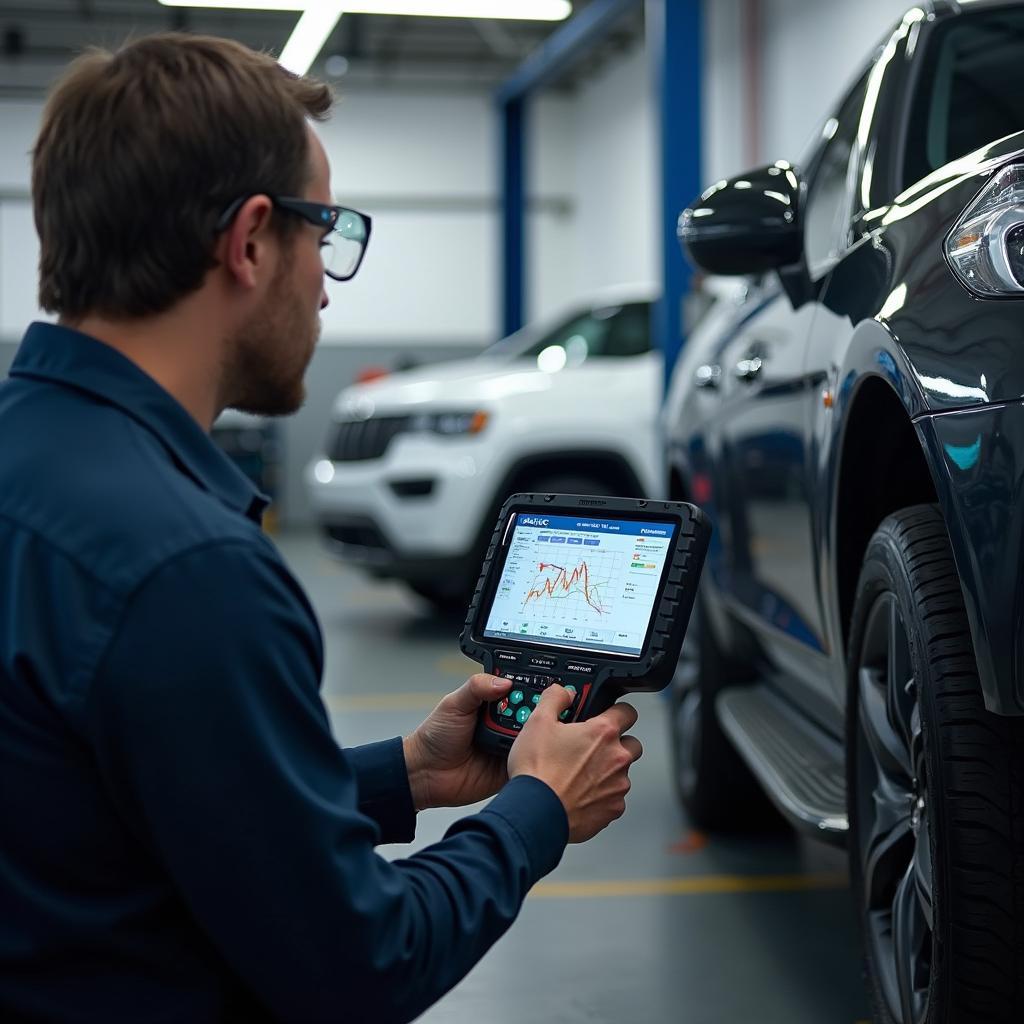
[{"x": 592, "y": 593}]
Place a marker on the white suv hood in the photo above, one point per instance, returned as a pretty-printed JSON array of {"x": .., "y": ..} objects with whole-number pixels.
[{"x": 469, "y": 383}]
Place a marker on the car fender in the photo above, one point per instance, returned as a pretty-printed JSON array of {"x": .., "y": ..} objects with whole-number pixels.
[{"x": 874, "y": 352}]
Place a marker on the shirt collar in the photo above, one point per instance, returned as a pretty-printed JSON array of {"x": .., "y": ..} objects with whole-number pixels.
[{"x": 72, "y": 359}]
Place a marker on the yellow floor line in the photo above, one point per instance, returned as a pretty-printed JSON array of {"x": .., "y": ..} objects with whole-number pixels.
[
  {"x": 383, "y": 702},
  {"x": 709, "y": 884}
]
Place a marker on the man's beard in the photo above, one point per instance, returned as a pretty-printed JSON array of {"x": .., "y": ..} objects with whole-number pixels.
[{"x": 270, "y": 353}]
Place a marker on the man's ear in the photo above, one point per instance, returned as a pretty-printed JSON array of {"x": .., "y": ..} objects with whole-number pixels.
[{"x": 242, "y": 250}]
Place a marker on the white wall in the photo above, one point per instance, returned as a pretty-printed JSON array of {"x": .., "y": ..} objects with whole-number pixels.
[
  {"x": 809, "y": 51},
  {"x": 723, "y": 149},
  {"x": 551, "y": 141},
  {"x": 597, "y": 145},
  {"x": 19, "y": 250},
  {"x": 617, "y": 204},
  {"x": 424, "y": 166},
  {"x": 19, "y": 259}
]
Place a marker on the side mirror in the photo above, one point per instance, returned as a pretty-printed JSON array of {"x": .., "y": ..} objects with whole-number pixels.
[{"x": 746, "y": 225}]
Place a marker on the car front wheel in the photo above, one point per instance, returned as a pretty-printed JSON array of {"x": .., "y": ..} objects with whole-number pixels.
[{"x": 935, "y": 788}]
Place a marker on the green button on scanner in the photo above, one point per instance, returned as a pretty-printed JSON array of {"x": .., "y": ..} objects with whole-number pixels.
[
  {"x": 568, "y": 711},
  {"x": 522, "y": 715},
  {"x": 535, "y": 699},
  {"x": 515, "y": 697}
]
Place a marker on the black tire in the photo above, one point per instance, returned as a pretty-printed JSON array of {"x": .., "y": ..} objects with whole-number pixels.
[
  {"x": 935, "y": 788},
  {"x": 713, "y": 784}
]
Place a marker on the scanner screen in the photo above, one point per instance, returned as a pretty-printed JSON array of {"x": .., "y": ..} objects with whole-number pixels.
[{"x": 588, "y": 584}]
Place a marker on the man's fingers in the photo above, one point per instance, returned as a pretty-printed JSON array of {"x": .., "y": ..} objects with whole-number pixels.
[
  {"x": 623, "y": 715},
  {"x": 476, "y": 690},
  {"x": 554, "y": 700},
  {"x": 634, "y": 746}
]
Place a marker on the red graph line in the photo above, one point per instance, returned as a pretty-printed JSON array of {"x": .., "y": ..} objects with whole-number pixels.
[{"x": 565, "y": 582}]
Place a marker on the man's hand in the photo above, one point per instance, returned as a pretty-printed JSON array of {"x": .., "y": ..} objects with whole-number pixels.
[
  {"x": 586, "y": 763},
  {"x": 445, "y": 769}
]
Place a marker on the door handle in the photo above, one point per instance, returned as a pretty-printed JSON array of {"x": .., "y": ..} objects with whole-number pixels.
[
  {"x": 749, "y": 369},
  {"x": 708, "y": 376}
]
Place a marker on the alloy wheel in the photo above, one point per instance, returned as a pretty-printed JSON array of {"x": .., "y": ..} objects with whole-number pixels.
[{"x": 892, "y": 802}]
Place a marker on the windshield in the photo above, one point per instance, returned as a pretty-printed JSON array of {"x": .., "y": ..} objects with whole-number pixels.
[
  {"x": 609, "y": 332},
  {"x": 970, "y": 91}
]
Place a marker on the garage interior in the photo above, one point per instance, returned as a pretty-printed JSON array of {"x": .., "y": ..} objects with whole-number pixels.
[{"x": 512, "y": 168}]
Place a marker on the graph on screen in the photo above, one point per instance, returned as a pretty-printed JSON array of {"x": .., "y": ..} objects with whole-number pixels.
[{"x": 560, "y": 588}]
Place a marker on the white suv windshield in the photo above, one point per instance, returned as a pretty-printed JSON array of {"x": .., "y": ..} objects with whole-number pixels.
[{"x": 612, "y": 331}]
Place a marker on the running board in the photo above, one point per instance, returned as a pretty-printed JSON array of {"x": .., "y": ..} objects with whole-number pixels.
[{"x": 800, "y": 769}]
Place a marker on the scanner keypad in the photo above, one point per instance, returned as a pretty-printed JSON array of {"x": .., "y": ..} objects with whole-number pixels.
[{"x": 514, "y": 710}]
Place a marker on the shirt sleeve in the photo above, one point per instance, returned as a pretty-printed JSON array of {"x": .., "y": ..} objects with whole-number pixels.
[
  {"x": 382, "y": 782},
  {"x": 213, "y": 742}
]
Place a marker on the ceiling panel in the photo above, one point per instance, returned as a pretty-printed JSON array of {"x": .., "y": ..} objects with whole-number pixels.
[{"x": 38, "y": 38}]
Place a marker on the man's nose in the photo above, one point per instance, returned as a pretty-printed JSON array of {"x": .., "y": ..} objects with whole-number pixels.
[{"x": 324, "y": 299}]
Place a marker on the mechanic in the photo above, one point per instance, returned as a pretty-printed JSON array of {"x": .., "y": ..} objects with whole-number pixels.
[{"x": 181, "y": 839}]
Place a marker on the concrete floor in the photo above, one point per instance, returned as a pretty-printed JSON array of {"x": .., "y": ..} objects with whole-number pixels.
[{"x": 648, "y": 923}]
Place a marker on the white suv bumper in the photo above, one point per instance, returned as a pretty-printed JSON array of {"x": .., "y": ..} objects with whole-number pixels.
[{"x": 425, "y": 499}]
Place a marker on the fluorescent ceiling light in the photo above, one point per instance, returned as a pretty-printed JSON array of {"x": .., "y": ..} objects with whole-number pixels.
[
  {"x": 309, "y": 35},
  {"x": 522, "y": 10}
]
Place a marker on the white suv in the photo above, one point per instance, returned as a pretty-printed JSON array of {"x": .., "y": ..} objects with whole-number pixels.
[{"x": 417, "y": 464}]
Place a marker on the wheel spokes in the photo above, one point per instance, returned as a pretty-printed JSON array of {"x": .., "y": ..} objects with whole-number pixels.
[
  {"x": 911, "y": 941},
  {"x": 900, "y": 694},
  {"x": 893, "y": 840},
  {"x": 886, "y": 851},
  {"x": 888, "y": 746},
  {"x": 916, "y": 743},
  {"x": 922, "y": 866}
]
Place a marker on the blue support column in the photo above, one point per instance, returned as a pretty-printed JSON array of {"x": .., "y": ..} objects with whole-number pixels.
[
  {"x": 513, "y": 214},
  {"x": 674, "y": 43}
]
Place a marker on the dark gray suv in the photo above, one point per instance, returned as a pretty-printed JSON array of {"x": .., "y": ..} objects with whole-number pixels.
[{"x": 855, "y": 429}]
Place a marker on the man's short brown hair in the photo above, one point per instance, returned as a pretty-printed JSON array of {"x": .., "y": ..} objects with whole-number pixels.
[{"x": 139, "y": 153}]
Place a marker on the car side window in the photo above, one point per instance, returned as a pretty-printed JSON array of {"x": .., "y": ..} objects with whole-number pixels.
[{"x": 826, "y": 209}]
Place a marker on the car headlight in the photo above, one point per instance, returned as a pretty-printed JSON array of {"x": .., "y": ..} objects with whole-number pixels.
[
  {"x": 986, "y": 246},
  {"x": 449, "y": 423}
]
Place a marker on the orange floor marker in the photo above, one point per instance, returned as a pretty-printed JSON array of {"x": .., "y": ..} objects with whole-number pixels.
[{"x": 690, "y": 843}]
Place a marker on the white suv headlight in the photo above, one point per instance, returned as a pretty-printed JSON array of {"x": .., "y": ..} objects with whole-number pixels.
[
  {"x": 986, "y": 246},
  {"x": 449, "y": 423}
]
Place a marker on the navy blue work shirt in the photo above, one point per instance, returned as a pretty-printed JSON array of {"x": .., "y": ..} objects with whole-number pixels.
[{"x": 181, "y": 839}]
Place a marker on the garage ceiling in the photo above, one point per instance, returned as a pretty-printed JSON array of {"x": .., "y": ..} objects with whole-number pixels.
[{"x": 38, "y": 37}]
